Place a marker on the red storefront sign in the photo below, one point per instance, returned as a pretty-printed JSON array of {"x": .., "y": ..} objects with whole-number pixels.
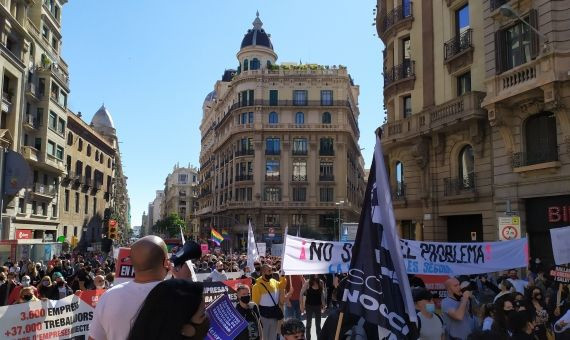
[{"x": 23, "y": 234}]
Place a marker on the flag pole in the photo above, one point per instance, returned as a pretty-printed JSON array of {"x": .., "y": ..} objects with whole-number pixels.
[{"x": 338, "y": 325}]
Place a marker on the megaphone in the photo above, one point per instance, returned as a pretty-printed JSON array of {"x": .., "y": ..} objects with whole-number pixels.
[{"x": 190, "y": 251}]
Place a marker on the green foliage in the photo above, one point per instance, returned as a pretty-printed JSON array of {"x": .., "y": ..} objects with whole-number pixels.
[{"x": 170, "y": 226}]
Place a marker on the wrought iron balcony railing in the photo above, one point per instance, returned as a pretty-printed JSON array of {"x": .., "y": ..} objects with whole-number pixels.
[
  {"x": 458, "y": 44},
  {"x": 536, "y": 157},
  {"x": 396, "y": 15},
  {"x": 405, "y": 70},
  {"x": 456, "y": 186},
  {"x": 399, "y": 192}
]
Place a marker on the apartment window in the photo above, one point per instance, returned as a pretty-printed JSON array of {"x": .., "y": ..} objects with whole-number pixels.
[
  {"x": 52, "y": 121},
  {"x": 273, "y": 97},
  {"x": 88, "y": 150},
  {"x": 271, "y": 220},
  {"x": 299, "y": 118},
  {"x": 300, "y": 146},
  {"x": 61, "y": 126},
  {"x": 408, "y": 230},
  {"x": 326, "y": 119},
  {"x": 54, "y": 210},
  {"x": 326, "y": 147},
  {"x": 272, "y": 194},
  {"x": 75, "y": 231},
  {"x": 34, "y": 208},
  {"x": 300, "y": 97},
  {"x": 44, "y": 209},
  {"x": 59, "y": 152},
  {"x": 182, "y": 178},
  {"x": 466, "y": 166},
  {"x": 406, "y": 54},
  {"x": 298, "y": 219},
  {"x": 94, "y": 205},
  {"x": 273, "y": 118},
  {"x": 77, "y": 203},
  {"x": 69, "y": 138},
  {"x": 65, "y": 231},
  {"x": 39, "y": 116},
  {"x": 326, "y": 169},
  {"x": 299, "y": 171},
  {"x": 299, "y": 194},
  {"x": 540, "y": 137},
  {"x": 517, "y": 44},
  {"x": 66, "y": 201},
  {"x": 21, "y": 206},
  {"x": 327, "y": 194},
  {"x": 45, "y": 31},
  {"x": 464, "y": 83},
  {"x": 399, "y": 174},
  {"x": 326, "y": 97},
  {"x": 407, "y": 106},
  {"x": 54, "y": 43},
  {"x": 462, "y": 20},
  {"x": 246, "y": 65},
  {"x": 80, "y": 145},
  {"x": 51, "y": 148},
  {"x": 272, "y": 169},
  {"x": 86, "y": 204},
  {"x": 272, "y": 146},
  {"x": 255, "y": 64}
]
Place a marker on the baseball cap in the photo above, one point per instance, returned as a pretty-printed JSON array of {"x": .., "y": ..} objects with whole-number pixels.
[
  {"x": 57, "y": 275},
  {"x": 419, "y": 294}
]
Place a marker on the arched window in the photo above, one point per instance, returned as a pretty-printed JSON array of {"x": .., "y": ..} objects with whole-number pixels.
[
  {"x": 97, "y": 156},
  {"x": 273, "y": 118},
  {"x": 69, "y": 138},
  {"x": 299, "y": 118},
  {"x": 109, "y": 163},
  {"x": 400, "y": 186},
  {"x": 245, "y": 64},
  {"x": 467, "y": 167},
  {"x": 540, "y": 139},
  {"x": 88, "y": 150},
  {"x": 80, "y": 145},
  {"x": 255, "y": 64},
  {"x": 326, "y": 118},
  {"x": 101, "y": 158},
  {"x": 269, "y": 66}
]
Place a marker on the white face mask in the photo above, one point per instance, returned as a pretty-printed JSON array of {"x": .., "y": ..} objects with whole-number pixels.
[{"x": 25, "y": 283}]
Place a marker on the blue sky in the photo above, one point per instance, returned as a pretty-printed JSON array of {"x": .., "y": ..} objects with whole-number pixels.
[{"x": 152, "y": 65}]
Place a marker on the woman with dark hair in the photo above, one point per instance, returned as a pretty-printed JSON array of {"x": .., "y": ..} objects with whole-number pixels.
[
  {"x": 174, "y": 309},
  {"x": 503, "y": 309},
  {"x": 537, "y": 308},
  {"x": 522, "y": 324},
  {"x": 313, "y": 300},
  {"x": 487, "y": 313}
]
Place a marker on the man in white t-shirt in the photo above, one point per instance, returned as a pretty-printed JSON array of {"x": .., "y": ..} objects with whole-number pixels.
[
  {"x": 519, "y": 284},
  {"x": 118, "y": 307}
]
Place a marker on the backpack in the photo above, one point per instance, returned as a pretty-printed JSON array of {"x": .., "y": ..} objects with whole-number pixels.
[{"x": 420, "y": 321}]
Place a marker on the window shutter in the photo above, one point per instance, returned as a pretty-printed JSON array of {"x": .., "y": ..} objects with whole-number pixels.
[
  {"x": 499, "y": 51},
  {"x": 534, "y": 38}
]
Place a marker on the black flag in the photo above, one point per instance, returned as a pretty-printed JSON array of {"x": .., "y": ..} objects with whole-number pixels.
[{"x": 377, "y": 285}]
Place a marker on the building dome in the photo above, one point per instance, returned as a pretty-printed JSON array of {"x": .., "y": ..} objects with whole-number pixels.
[
  {"x": 209, "y": 98},
  {"x": 257, "y": 36},
  {"x": 102, "y": 118}
]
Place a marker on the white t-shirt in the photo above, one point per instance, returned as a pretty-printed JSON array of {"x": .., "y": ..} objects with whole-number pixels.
[
  {"x": 519, "y": 285},
  {"x": 117, "y": 310}
]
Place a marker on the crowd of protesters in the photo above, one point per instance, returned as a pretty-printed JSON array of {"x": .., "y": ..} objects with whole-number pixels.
[{"x": 503, "y": 306}]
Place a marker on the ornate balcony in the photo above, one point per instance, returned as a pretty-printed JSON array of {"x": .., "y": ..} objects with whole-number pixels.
[
  {"x": 241, "y": 178},
  {"x": 458, "y": 51},
  {"x": 299, "y": 178},
  {"x": 299, "y": 152},
  {"x": 458, "y": 186},
  {"x": 244, "y": 152},
  {"x": 399, "y": 17},
  {"x": 399, "y": 78},
  {"x": 399, "y": 192},
  {"x": 545, "y": 154},
  {"x": 326, "y": 178},
  {"x": 44, "y": 190}
]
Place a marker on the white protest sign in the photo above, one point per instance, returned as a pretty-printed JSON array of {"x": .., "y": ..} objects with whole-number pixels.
[
  {"x": 561, "y": 244},
  {"x": 48, "y": 319},
  {"x": 307, "y": 256},
  {"x": 261, "y": 248},
  {"x": 277, "y": 249}
]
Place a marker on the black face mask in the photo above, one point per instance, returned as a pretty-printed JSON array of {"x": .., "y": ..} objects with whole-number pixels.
[
  {"x": 257, "y": 268},
  {"x": 245, "y": 299},
  {"x": 268, "y": 277},
  {"x": 201, "y": 330},
  {"x": 27, "y": 297}
]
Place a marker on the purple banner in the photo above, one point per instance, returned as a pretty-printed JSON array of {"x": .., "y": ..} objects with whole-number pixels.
[{"x": 225, "y": 321}]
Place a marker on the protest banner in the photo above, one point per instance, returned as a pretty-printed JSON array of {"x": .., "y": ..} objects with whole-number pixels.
[
  {"x": 560, "y": 244},
  {"x": 91, "y": 297},
  {"x": 435, "y": 284},
  {"x": 261, "y": 248},
  {"x": 123, "y": 267},
  {"x": 226, "y": 323},
  {"x": 47, "y": 319},
  {"x": 213, "y": 290},
  {"x": 561, "y": 274},
  {"x": 307, "y": 256}
]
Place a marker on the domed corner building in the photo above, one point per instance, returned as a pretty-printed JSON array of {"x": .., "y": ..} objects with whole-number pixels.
[
  {"x": 279, "y": 146},
  {"x": 119, "y": 202}
]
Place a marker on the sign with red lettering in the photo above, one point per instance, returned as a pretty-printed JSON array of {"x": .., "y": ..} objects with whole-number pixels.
[
  {"x": 558, "y": 214},
  {"x": 124, "y": 268},
  {"x": 91, "y": 297},
  {"x": 561, "y": 274},
  {"x": 23, "y": 234}
]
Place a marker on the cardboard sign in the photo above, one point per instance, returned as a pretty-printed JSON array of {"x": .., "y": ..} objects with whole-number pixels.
[
  {"x": 124, "y": 268},
  {"x": 561, "y": 274},
  {"x": 226, "y": 323}
]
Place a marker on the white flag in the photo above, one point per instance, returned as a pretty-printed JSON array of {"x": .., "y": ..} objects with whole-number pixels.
[{"x": 252, "y": 254}]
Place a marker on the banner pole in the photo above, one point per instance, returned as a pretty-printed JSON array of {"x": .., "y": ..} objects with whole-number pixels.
[{"x": 338, "y": 325}]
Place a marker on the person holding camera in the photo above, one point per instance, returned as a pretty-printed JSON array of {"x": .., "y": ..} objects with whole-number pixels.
[{"x": 457, "y": 312}]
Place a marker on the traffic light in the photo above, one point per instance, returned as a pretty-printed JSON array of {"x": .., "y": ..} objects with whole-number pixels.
[{"x": 112, "y": 233}]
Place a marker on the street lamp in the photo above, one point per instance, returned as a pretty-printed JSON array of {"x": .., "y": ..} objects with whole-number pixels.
[
  {"x": 339, "y": 203},
  {"x": 508, "y": 12}
]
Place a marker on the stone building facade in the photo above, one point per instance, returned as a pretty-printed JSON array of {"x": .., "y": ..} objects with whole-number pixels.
[{"x": 181, "y": 196}]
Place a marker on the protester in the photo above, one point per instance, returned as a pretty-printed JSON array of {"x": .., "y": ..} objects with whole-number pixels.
[
  {"x": 110, "y": 278},
  {"x": 118, "y": 307},
  {"x": 268, "y": 293},
  {"x": 218, "y": 274},
  {"x": 522, "y": 324},
  {"x": 15, "y": 294},
  {"x": 537, "y": 308},
  {"x": 250, "y": 312},
  {"x": 313, "y": 301},
  {"x": 506, "y": 288},
  {"x": 99, "y": 282},
  {"x": 44, "y": 287},
  {"x": 257, "y": 272},
  {"x": 293, "y": 297},
  {"x": 7, "y": 288},
  {"x": 519, "y": 284},
  {"x": 27, "y": 294},
  {"x": 293, "y": 329},
  {"x": 430, "y": 324},
  {"x": 487, "y": 314},
  {"x": 457, "y": 312},
  {"x": 503, "y": 309},
  {"x": 173, "y": 309}
]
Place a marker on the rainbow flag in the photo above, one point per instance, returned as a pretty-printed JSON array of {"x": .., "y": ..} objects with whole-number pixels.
[
  {"x": 217, "y": 237},
  {"x": 226, "y": 235}
]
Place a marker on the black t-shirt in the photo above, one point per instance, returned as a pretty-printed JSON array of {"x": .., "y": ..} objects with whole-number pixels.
[{"x": 251, "y": 315}]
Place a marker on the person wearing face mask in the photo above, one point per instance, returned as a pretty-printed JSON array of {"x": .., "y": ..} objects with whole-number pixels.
[
  {"x": 60, "y": 289},
  {"x": 457, "y": 313},
  {"x": 44, "y": 287},
  {"x": 269, "y": 295},
  {"x": 430, "y": 324},
  {"x": 506, "y": 288},
  {"x": 173, "y": 310},
  {"x": 250, "y": 312},
  {"x": 504, "y": 307},
  {"x": 537, "y": 308},
  {"x": 119, "y": 306},
  {"x": 522, "y": 324},
  {"x": 257, "y": 272},
  {"x": 16, "y": 292},
  {"x": 99, "y": 282},
  {"x": 218, "y": 274},
  {"x": 26, "y": 295},
  {"x": 7, "y": 288}
]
